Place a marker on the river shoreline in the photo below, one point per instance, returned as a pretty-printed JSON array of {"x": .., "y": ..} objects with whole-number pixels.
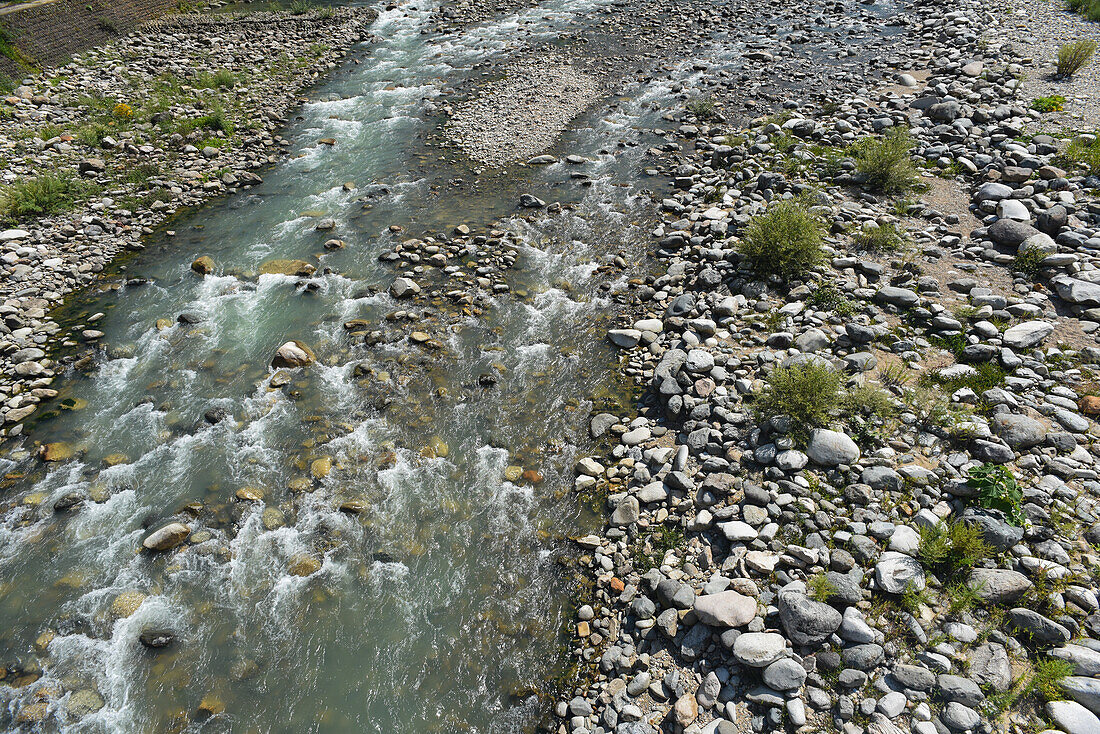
[{"x": 754, "y": 579}]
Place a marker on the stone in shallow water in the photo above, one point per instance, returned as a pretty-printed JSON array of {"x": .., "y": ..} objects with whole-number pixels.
[
  {"x": 303, "y": 565},
  {"x": 167, "y": 537},
  {"x": 293, "y": 354},
  {"x": 58, "y": 451},
  {"x": 127, "y": 603},
  {"x": 287, "y": 267}
]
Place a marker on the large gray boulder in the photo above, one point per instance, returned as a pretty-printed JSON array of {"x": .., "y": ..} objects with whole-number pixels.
[
  {"x": 1010, "y": 233},
  {"x": 1018, "y": 431},
  {"x": 831, "y": 448},
  {"x": 807, "y": 622}
]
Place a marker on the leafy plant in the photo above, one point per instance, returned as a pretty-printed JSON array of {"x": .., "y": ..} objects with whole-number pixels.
[
  {"x": 1047, "y": 677},
  {"x": 1085, "y": 151},
  {"x": 808, "y": 393},
  {"x": 952, "y": 546},
  {"x": 1072, "y": 57},
  {"x": 867, "y": 400},
  {"x": 301, "y": 7},
  {"x": 881, "y": 238},
  {"x": 1053, "y": 103},
  {"x": 221, "y": 79},
  {"x": 997, "y": 490},
  {"x": 828, "y": 298},
  {"x": 885, "y": 163},
  {"x": 1088, "y": 8},
  {"x": 40, "y": 196},
  {"x": 649, "y": 549},
  {"x": 820, "y": 588},
  {"x": 785, "y": 240},
  {"x": 703, "y": 108}
]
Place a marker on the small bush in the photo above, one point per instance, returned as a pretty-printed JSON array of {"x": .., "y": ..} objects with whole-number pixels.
[
  {"x": 649, "y": 550},
  {"x": 1085, "y": 153},
  {"x": 885, "y": 163},
  {"x": 881, "y": 238},
  {"x": 952, "y": 546},
  {"x": 1072, "y": 57},
  {"x": 868, "y": 400},
  {"x": 986, "y": 375},
  {"x": 820, "y": 588},
  {"x": 215, "y": 121},
  {"x": 300, "y": 7},
  {"x": 41, "y": 196},
  {"x": 1027, "y": 262},
  {"x": 809, "y": 393},
  {"x": 221, "y": 79},
  {"x": 702, "y": 108},
  {"x": 893, "y": 374},
  {"x": 828, "y": 298},
  {"x": 997, "y": 490},
  {"x": 785, "y": 240},
  {"x": 1088, "y": 8},
  {"x": 122, "y": 111},
  {"x": 1054, "y": 103}
]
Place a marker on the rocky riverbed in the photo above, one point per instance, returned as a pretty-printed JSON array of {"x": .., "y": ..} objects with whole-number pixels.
[
  {"x": 860, "y": 576},
  {"x": 910, "y": 543}
]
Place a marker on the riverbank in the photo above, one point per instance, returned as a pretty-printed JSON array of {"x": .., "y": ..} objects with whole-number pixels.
[
  {"x": 861, "y": 495},
  {"x": 95, "y": 159}
]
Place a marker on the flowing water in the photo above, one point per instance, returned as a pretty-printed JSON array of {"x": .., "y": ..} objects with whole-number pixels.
[{"x": 423, "y": 503}]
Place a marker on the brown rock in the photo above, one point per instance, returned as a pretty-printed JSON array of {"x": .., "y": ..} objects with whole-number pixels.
[
  {"x": 167, "y": 537},
  {"x": 293, "y": 354},
  {"x": 287, "y": 267},
  {"x": 203, "y": 265}
]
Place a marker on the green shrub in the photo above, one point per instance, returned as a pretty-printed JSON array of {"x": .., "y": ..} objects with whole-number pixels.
[
  {"x": 1072, "y": 57},
  {"x": 809, "y": 393},
  {"x": 820, "y": 588},
  {"x": 785, "y": 240},
  {"x": 649, "y": 549},
  {"x": 1085, "y": 153},
  {"x": 828, "y": 298},
  {"x": 1053, "y": 103},
  {"x": 300, "y": 7},
  {"x": 221, "y": 79},
  {"x": 997, "y": 490},
  {"x": 881, "y": 238},
  {"x": 867, "y": 400},
  {"x": 885, "y": 162},
  {"x": 703, "y": 108},
  {"x": 952, "y": 546},
  {"x": 1047, "y": 678},
  {"x": 216, "y": 121},
  {"x": 41, "y": 196},
  {"x": 986, "y": 375},
  {"x": 1088, "y": 8},
  {"x": 1027, "y": 262}
]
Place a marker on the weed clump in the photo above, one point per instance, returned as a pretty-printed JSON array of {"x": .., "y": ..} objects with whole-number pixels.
[
  {"x": 885, "y": 164},
  {"x": 952, "y": 546},
  {"x": 703, "y": 108},
  {"x": 1085, "y": 151},
  {"x": 1088, "y": 8},
  {"x": 1045, "y": 105},
  {"x": 41, "y": 196},
  {"x": 1072, "y": 57},
  {"x": 881, "y": 238},
  {"x": 785, "y": 240},
  {"x": 808, "y": 393}
]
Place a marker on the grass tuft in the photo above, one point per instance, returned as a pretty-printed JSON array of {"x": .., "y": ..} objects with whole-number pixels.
[
  {"x": 42, "y": 196},
  {"x": 1072, "y": 57},
  {"x": 881, "y": 238}
]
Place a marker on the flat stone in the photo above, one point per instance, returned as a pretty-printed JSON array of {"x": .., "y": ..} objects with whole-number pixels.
[
  {"x": 785, "y": 675},
  {"x": 759, "y": 649},
  {"x": 1027, "y": 334},
  {"x": 725, "y": 609},
  {"x": 1073, "y": 718}
]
